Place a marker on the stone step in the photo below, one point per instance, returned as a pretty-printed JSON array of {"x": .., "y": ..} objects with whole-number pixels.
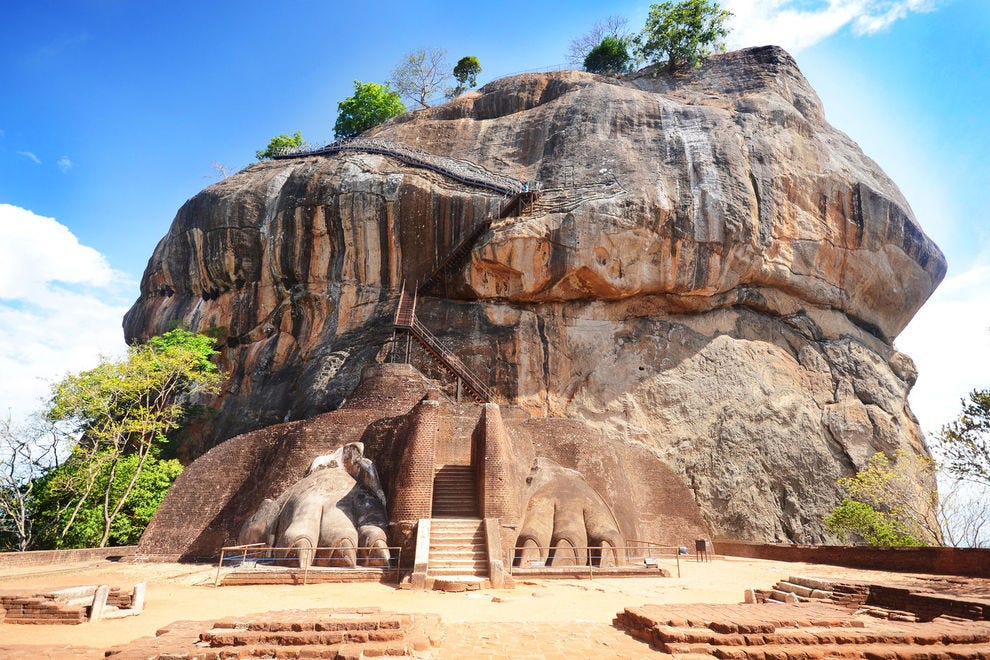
[
  {"x": 878, "y": 650},
  {"x": 461, "y": 552},
  {"x": 449, "y": 571},
  {"x": 810, "y": 583},
  {"x": 793, "y": 588},
  {"x": 226, "y": 637},
  {"x": 459, "y": 532},
  {"x": 816, "y": 636}
]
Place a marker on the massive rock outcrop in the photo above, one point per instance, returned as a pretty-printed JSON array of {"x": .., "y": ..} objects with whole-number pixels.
[{"x": 713, "y": 273}]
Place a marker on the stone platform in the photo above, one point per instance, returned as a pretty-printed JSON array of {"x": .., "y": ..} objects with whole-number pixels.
[
  {"x": 798, "y": 631},
  {"x": 344, "y": 634}
]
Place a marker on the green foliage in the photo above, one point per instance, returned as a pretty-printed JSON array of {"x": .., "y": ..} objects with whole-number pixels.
[
  {"x": 965, "y": 443},
  {"x": 122, "y": 412},
  {"x": 853, "y": 519},
  {"x": 280, "y": 143},
  {"x": 890, "y": 502},
  {"x": 610, "y": 56},
  {"x": 683, "y": 32},
  {"x": 372, "y": 104},
  {"x": 466, "y": 71},
  {"x": 56, "y": 500}
]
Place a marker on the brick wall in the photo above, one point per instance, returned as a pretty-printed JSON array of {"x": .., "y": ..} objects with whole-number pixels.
[
  {"x": 50, "y": 557},
  {"x": 972, "y": 562},
  {"x": 496, "y": 500},
  {"x": 413, "y": 498}
]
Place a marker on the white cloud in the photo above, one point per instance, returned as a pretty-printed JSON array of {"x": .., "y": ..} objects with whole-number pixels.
[
  {"x": 796, "y": 24},
  {"x": 65, "y": 164},
  {"x": 30, "y": 156},
  {"x": 949, "y": 340},
  {"x": 60, "y": 307}
]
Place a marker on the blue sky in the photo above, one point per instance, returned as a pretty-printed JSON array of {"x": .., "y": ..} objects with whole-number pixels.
[{"x": 111, "y": 113}]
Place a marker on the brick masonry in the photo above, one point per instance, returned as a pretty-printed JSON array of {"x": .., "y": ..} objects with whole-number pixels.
[
  {"x": 55, "y": 557},
  {"x": 971, "y": 562}
]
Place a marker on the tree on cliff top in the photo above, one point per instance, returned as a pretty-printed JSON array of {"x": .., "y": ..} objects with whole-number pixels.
[
  {"x": 965, "y": 443},
  {"x": 280, "y": 143},
  {"x": 421, "y": 75},
  {"x": 889, "y": 502},
  {"x": 122, "y": 413},
  {"x": 466, "y": 73},
  {"x": 610, "y": 56},
  {"x": 683, "y": 32},
  {"x": 616, "y": 27},
  {"x": 372, "y": 104}
]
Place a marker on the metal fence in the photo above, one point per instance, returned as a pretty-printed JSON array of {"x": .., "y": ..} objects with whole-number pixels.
[
  {"x": 316, "y": 559},
  {"x": 597, "y": 558}
]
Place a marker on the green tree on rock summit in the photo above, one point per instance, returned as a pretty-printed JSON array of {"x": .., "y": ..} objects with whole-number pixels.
[
  {"x": 610, "y": 56},
  {"x": 280, "y": 143},
  {"x": 466, "y": 73},
  {"x": 683, "y": 32},
  {"x": 372, "y": 104}
]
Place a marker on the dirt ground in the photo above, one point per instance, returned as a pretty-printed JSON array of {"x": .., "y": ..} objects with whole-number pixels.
[{"x": 536, "y": 619}]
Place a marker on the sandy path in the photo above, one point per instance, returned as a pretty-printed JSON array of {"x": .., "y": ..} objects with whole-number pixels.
[{"x": 186, "y": 592}]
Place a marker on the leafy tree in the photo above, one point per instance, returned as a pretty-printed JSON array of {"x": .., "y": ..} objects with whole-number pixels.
[
  {"x": 122, "y": 412},
  {"x": 466, "y": 73},
  {"x": 421, "y": 75},
  {"x": 372, "y": 104},
  {"x": 683, "y": 32},
  {"x": 965, "y": 443},
  {"x": 610, "y": 56},
  {"x": 147, "y": 484},
  {"x": 616, "y": 27},
  {"x": 280, "y": 143},
  {"x": 858, "y": 519},
  {"x": 890, "y": 502}
]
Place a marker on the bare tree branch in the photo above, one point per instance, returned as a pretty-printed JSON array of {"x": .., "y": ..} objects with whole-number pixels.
[
  {"x": 611, "y": 26},
  {"x": 421, "y": 75}
]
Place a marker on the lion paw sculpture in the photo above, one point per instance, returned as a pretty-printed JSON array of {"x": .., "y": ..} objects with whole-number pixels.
[{"x": 333, "y": 516}]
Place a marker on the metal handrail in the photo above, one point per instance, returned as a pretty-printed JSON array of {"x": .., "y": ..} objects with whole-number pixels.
[
  {"x": 453, "y": 169},
  {"x": 460, "y": 369},
  {"x": 262, "y": 552},
  {"x": 590, "y": 551}
]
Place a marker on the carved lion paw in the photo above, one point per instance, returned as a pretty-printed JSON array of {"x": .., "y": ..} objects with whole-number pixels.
[
  {"x": 566, "y": 522},
  {"x": 331, "y": 517}
]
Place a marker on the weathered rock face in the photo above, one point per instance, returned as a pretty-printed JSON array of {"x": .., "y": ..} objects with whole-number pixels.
[{"x": 712, "y": 272}]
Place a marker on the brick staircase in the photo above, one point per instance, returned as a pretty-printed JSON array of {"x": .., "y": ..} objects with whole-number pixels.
[
  {"x": 458, "y": 551},
  {"x": 457, "y": 535},
  {"x": 341, "y": 634},
  {"x": 454, "y": 493}
]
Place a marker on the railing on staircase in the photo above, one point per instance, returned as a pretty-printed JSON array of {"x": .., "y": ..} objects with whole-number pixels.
[
  {"x": 406, "y": 321},
  {"x": 464, "y": 172},
  {"x": 517, "y": 193},
  {"x": 457, "y": 256}
]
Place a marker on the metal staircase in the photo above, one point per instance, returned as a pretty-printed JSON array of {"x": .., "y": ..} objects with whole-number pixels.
[{"x": 406, "y": 321}]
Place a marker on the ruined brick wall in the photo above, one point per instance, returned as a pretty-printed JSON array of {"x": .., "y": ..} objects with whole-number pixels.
[
  {"x": 973, "y": 562},
  {"x": 56, "y": 557}
]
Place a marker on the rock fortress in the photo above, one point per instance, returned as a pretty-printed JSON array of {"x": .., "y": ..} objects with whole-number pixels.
[{"x": 564, "y": 323}]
